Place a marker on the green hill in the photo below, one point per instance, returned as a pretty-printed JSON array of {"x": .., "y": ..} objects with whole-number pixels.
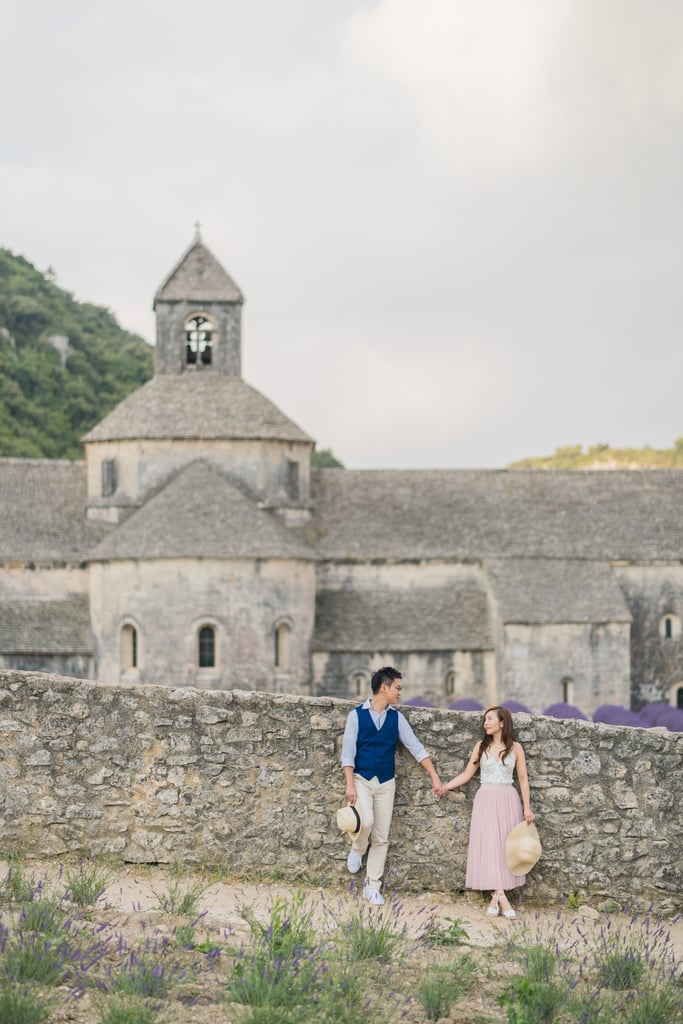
[
  {"x": 47, "y": 402},
  {"x": 601, "y": 456}
]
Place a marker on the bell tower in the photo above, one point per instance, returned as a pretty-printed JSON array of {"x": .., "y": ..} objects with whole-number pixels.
[{"x": 198, "y": 317}]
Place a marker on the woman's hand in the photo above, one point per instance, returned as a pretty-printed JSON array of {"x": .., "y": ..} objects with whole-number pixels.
[{"x": 529, "y": 816}]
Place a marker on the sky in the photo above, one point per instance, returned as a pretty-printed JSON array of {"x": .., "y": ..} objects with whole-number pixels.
[{"x": 458, "y": 224}]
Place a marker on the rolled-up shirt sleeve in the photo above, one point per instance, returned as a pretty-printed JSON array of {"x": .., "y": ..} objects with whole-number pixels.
[
  {"x": 410, "y": 740},
  {"x": 348, "y": 754}
]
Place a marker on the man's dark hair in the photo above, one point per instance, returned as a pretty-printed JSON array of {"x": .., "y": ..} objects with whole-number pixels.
[{"x": 384, "y": 675}]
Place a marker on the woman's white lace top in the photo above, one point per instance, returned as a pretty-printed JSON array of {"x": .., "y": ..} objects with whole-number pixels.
[{"x": 497, "y": 773}]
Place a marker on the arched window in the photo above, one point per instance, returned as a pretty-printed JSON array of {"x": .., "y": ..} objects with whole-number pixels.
[
  {"x": 129, "y": 647},
  {"x": 108, "y": 477},
  {"x": 206, "y": 647},
  {"x": 359, "y": 684},
  {"x": 283, "y": 635},
  {"x": 198, "y": 341},
  {"x": 676, "y": 696},
  {"x": 670, "y": 626},
  {"x": 450, "y": 684},
  {"x": 567, "y": 690}
]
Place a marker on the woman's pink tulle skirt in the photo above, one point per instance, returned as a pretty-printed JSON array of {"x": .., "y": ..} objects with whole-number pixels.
[{"x": 496, "y": 810}]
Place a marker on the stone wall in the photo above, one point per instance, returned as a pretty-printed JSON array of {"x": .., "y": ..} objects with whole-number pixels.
[
  {"x": 242, "y": 598},
  {"x": 535, "y": 660},
  {"x": 656, "y": 660},
  {"x": 251, "y": 781}
]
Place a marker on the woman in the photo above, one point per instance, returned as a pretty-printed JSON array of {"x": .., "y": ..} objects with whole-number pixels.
[{"x": 496, "y": 808}]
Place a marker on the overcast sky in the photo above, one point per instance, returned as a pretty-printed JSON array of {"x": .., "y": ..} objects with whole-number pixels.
[{"x": 457, "y": 223}]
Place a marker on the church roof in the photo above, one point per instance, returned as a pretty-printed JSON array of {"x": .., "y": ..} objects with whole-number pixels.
[
  {"x": 202, "y": 405},
  {"x": 540, "y": 590},
  {"x": 42, "y": 511},
  {"x": 415, "y": 619},
  {"x": 32, "y": 626},
  {"x": 199, "y": 277},
  {"x": 200, "y": 513},
  {"x": 413, "y": 514}
]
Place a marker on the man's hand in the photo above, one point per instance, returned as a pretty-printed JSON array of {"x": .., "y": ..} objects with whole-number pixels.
[
  {"x": 351, "y": 795},
  {"x": 437, "y": 786}
]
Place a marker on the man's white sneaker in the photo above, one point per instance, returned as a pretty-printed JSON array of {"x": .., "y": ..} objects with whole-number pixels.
[
  {"x": 354, "y": 861},
  {"x": 373, "y": 895}
]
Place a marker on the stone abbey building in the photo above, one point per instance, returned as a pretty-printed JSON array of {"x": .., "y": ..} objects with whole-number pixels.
[{"x": 195, "y": 546}]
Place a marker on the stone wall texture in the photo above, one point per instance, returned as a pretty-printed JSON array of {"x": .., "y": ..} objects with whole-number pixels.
[{"x": 251, "y": 782}]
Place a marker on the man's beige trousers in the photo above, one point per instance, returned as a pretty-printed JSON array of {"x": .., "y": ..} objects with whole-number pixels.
[{"x": 376, "y": 800}]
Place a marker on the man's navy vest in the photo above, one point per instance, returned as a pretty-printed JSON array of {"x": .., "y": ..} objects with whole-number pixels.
[{"x": 375, "y": 747}]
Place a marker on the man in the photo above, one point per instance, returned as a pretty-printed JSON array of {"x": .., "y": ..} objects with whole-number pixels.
[{"x": 370, "y": 737}]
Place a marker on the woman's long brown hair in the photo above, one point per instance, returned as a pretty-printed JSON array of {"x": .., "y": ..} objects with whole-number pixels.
[{"x": 507, "y": 731}]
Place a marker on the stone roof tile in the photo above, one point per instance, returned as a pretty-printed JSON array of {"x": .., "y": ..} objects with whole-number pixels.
[
  {"x": 607, "y": 515},
  {"x": 198, "y": 276},
  {"x": 42, "y": 511},
  {"x": 540, "y": 590},
  {"x": 32, "y": 626},
  {"x": 416, "y": 619},
  {"x": 201, "y": 514},
  {"x": 202, "y": 405}
]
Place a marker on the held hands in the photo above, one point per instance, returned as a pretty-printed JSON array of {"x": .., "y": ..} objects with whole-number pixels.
[{"x": 446, "y": 788}]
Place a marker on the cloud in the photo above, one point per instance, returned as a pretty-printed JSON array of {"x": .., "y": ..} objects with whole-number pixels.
[{"x": 420, "y": 201}]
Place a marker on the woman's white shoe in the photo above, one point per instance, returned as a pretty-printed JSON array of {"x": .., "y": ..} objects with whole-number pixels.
[
  {"x": 493, "y": 910},
  {"x": 509, "y": 913}
]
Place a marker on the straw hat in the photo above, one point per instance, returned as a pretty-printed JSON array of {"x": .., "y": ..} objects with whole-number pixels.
[
  {"x": 522, "y": 848},
  {"x": 349, "y": 819}
]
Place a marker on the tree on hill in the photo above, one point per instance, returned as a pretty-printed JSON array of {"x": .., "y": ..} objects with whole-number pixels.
[
  {"x": 325, "y": 459},
  {"x": 49, "y": 400},
  {"x": 601, "y": 456}
]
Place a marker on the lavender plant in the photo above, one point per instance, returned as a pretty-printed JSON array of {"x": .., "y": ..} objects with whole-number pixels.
[
  {"x": 17, "y": 886},
  {"x": 149, "y": 972},
  {"x": 287, "y": 932},
  {"x": 86, "y": 886},
  {"x": 371, "y": 935},
  {"x": 623, "y": 958}
]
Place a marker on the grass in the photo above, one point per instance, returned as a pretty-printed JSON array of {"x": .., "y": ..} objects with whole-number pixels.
[
  {"x": 450, "y": 934},
  {"x": 181, "y": 898},
  {"x": 444, "y": 985},
  {"x": 22, "y": 1006},
  {"x": 316, "y": 956},
  {"x": 534, "y": 1002},
  {"x": 127, "y": 1009}
]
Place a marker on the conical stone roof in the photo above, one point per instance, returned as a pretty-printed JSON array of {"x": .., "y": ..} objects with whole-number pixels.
[
  {"x": 202, "y": 406},
  {"x": 199, "y": 276}
]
